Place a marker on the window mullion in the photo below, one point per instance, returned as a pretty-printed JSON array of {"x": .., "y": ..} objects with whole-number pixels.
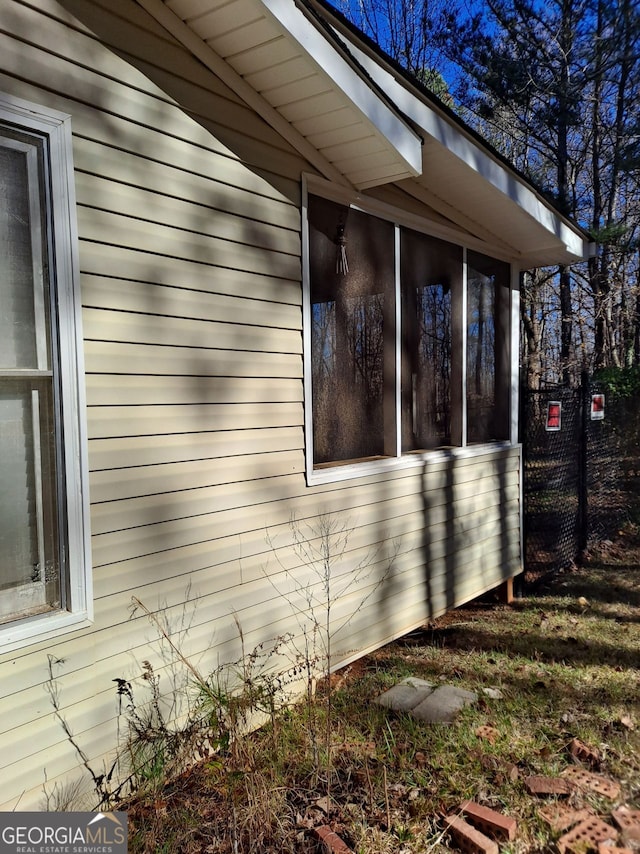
[
  {"x": 398, "y": 345},
  {"x": 462, "y": 319}
]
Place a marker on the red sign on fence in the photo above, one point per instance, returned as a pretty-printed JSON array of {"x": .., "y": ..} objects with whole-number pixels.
[
  {"x": 554, "y": 415},
  {"x": 597, "y": 407}
]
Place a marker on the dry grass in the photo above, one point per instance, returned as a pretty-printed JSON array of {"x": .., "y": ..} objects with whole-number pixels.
[{"x": 567, "y": 663}]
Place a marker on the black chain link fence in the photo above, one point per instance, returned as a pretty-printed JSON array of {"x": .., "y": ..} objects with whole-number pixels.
[{"x": 581, "y": 472}]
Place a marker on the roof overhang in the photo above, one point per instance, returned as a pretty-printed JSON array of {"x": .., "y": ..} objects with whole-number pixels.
[
  {"x": 277, "y": 57},
  {"x": 362, "y": 123},
  {"x": 463, "y": 178}
]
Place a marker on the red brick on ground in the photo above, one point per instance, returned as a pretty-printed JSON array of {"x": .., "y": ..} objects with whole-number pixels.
[
  {"x": 628, "y": 821},
  {"x": 560, "y": 817},
  {"x": 470, "y": 840},
  {"x": 587, "y": 835},
  {"x": 584, "y": 752},
  {"x": 537, "y": 785},
  {"x": 613, "y": 849},
  {"x": 491, "y": 822},
  {"x": 592, "y": 782},
  {"x": 330, "y": 841}
]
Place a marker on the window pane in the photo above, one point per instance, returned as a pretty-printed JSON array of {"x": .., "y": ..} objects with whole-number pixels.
[
  {"x": 351, "y": 332},
  {"x": 431, "y": 270},
  {"x": 23, "y": 328},
  {"x": 488, "y": 392},
  {"x": 29, "y": 564},
  {"x": 29, "y": 575}
]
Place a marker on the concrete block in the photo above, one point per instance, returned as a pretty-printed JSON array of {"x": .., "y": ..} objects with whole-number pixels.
[
  {"x": 406, "y": 695},
  {"x": 443, "y": 704}
]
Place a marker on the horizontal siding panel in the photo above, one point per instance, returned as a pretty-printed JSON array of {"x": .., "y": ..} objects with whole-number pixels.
[
  {"x": 146, "y": 298},
  {"x": 123, "y": 390},
  {"x": 130, "y": 265},
  {"x": 170, "y": 211},
  {"x": 234, "y": 562},
  {"x": 137, "y": 99},
  {"x": 264, "y": 609},
  {"x": 112, "y": 485},
  {"x": 76, "y": 78},
  {"x": 216, "y": 181},
  {"x": 115, "y": 229},
  {"x": 106, "y": 454},
  {"x": 375, "y": 500},
  {"x": 40, "y": 735},
  {"x": 129, "y": 328},
  {"x": 261, "y": 579},
  {"x": 61, "y": 762},
  {"x": 279, "y": 168},
  {"x": 138, "y": 512},
  {"x": 134, "y": 512},
  {"x": 187, "y": 361},
  {"x": 108, "y": 422},
  {"x": 120, "y": 23},
  {"x": 241, "y": 558}
]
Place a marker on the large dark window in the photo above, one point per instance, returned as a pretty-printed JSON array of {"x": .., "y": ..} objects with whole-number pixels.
[
  {"x": 387, "y": 339},
  {"x": 487, "y": 348},
  {"x": 352, "y": 297},
  {"x": 431, "y": 272}
]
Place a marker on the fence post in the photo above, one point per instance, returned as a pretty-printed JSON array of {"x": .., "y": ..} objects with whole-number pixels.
[{"x": 583, "y": 502}]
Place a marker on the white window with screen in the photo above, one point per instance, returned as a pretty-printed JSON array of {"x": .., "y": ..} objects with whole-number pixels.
[
  {"x": 407, "y": 342},
  {"x": 44, "y": 565}
]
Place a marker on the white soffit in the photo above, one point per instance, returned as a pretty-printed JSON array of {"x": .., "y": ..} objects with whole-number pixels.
[
  {"x": 310, "y": 90},
  {"x": 466, "y": 177}
]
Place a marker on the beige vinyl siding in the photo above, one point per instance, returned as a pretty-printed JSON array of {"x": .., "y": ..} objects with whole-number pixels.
[{"x": 189, "y": 241}]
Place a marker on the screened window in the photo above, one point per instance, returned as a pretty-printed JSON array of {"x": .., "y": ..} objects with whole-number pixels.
[
  {"x": 487, "y": 348},
  {"x": 430, "y": 274},
  {"x": 352, "y": 331},
  {"x": 37, "y": 576},
  {"x": 387, "y": 337}
]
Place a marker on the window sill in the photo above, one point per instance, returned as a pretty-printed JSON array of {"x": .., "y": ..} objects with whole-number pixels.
[
  {"x": 34, "y": 630},
  {"x": 335, "y": 472}
]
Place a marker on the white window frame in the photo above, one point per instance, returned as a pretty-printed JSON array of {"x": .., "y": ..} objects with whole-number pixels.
[
  {"x": 77, "y": 611},
  {"x": 366, "y": 468}
]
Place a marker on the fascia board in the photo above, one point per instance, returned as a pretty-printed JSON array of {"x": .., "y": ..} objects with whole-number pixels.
[
  {"x": 386, "y": 121},
  {"x": 474, "y": 157}
]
